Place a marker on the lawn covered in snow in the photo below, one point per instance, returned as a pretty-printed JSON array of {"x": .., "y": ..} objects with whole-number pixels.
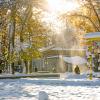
[{"x": 57, "y": 89}]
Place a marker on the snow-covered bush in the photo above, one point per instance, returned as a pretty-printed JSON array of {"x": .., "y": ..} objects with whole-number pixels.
[{"x": 43, "y": 95}]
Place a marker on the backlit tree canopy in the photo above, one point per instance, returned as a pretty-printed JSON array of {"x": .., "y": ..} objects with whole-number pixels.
[{"x": 87, "y": 17}]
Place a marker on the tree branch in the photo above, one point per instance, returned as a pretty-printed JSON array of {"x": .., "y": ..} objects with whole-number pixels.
[
  {"x": 90, "y": 1},
  {"x": 78, "y": 15}
]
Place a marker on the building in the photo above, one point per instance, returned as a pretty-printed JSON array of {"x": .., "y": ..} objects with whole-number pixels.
[
  {"x": 57, "y": 59},
  {"x": 93, "y": 50}
]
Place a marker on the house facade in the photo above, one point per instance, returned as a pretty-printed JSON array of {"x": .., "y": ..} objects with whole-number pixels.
[{"x": 53, "y": 60}]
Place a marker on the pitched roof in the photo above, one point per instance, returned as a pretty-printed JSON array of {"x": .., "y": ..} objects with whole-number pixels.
[
  {"x": 92, "y": 35},
  {"x": 77, "y": 60}
]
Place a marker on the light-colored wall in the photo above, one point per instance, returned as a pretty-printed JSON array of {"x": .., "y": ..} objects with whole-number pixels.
[{"x": 53, "y": 64}]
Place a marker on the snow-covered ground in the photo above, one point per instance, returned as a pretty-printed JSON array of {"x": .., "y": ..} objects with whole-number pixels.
[{"x": 57, "y": 89}]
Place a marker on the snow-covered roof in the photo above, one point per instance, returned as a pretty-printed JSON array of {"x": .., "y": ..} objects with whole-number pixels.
[
  {"x": 53, "y": 56},
  {"x": 92, "y": 35},
  {"x": 46, "y": 48},
  {"x": 71, "y": 49},
  {"x": 52, "y": 47},
  {"x": 77, "y": 60}
]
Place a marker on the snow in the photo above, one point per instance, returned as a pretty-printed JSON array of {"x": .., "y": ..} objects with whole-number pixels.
[
  {"x": 52, "y": 47},
  {"x": 53, "y": 57},
  {"x": 72, "y": 75},
  {"x": 46, "y": 48},
  {"x": 93, "y": 35},
  {"x": 70, "y": 49},
  {"x": 43, "y": 95},
  {"x": 55, "y": 89},
  {"x": 75, "y": 60}
]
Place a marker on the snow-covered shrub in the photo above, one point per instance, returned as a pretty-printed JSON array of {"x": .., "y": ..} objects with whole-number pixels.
[{"x": 43, "y": 95}]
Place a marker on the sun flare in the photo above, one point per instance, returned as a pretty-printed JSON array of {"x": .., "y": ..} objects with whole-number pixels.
[
  {"x": 55, "y": 8},
  {"x": 61, "y": 6},
  {"x": 54, "y": 22}
]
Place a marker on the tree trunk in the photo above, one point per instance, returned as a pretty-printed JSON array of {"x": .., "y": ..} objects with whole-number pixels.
[
  {"x": 12, "y": 35},
  {"x": 13, "y": 69},
  {"x": 26, "y": 66},
  {"x": 30, "y": 67}
]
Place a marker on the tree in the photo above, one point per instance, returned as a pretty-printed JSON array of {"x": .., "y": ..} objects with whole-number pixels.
[
  {"x": 87, "y": 18},
  {"x": 23, "y": 27},
  {"x": 32, "y": 32}
]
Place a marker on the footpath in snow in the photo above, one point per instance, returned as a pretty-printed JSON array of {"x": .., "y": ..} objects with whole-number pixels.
[
  {"x": 72, "y": 88},
  {"x": 33, "y": 75}
]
